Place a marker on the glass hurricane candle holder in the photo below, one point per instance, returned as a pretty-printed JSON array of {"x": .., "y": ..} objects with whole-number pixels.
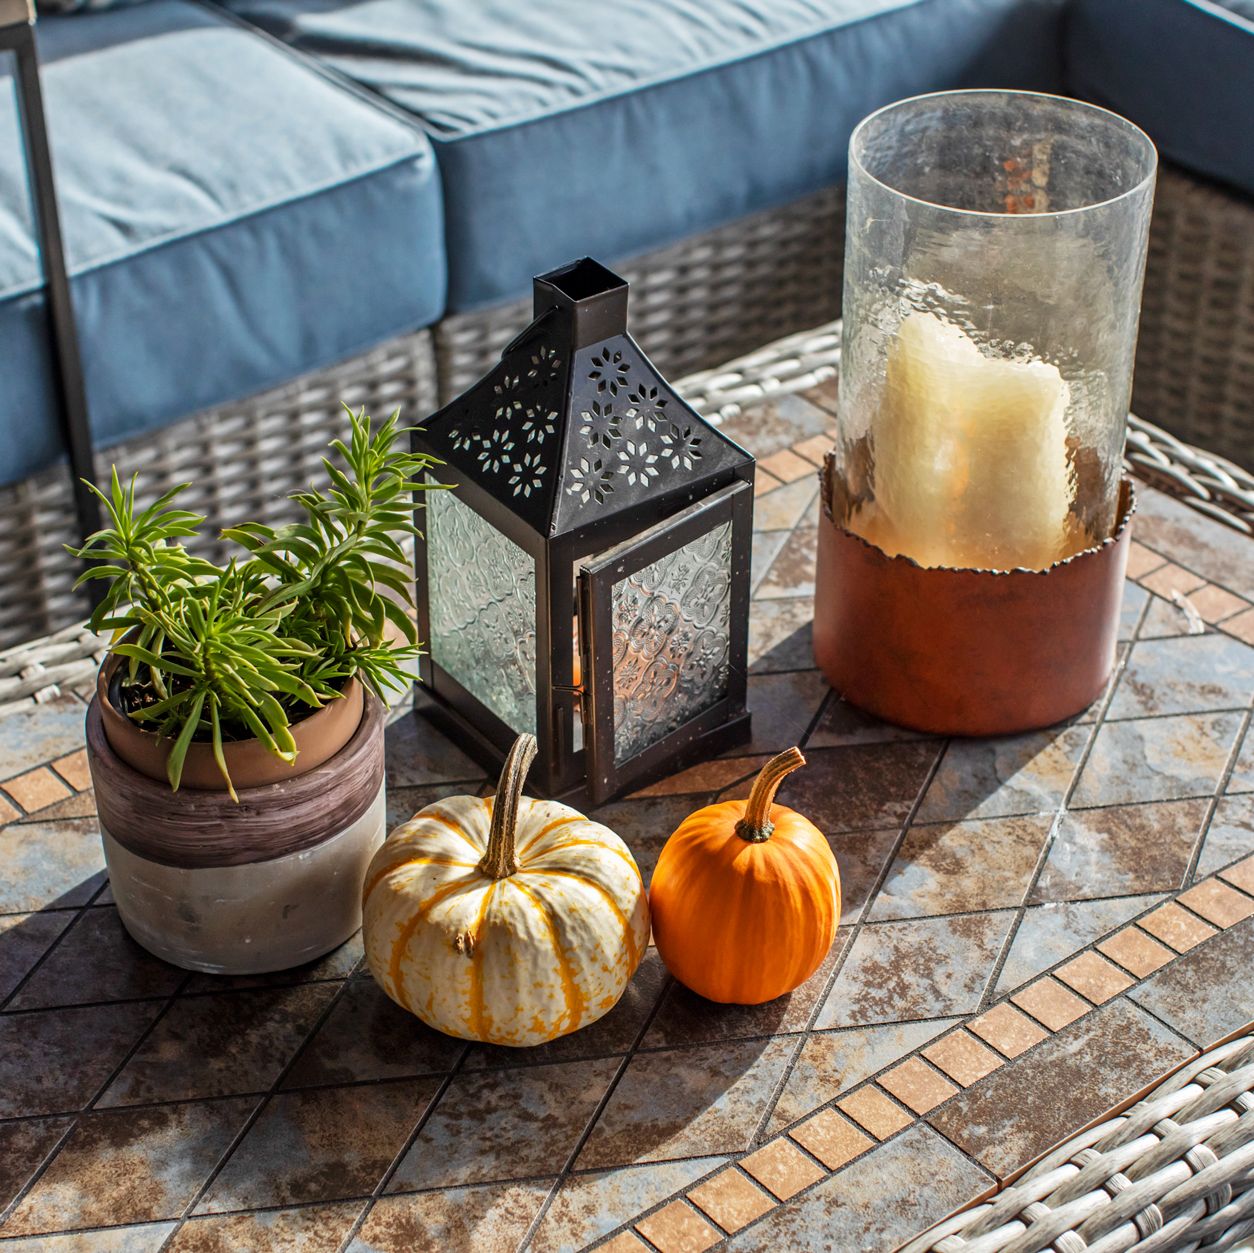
[{"x": 993, "y": 264}]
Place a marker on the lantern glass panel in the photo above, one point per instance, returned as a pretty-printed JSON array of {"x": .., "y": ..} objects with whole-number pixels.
[
  {"x": 671, "y": 630},
  {"x": 482, "y": 605}
]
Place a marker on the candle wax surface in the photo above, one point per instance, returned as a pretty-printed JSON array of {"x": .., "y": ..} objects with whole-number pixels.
[{"x": 971, "y": 466}]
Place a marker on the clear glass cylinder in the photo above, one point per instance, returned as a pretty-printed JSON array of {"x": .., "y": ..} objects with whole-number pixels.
[{"x": 993, "y": 263}]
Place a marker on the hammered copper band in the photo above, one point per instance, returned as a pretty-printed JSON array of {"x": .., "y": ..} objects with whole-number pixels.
[
  {"x": 199, "y": 828},
  {"x": 967, "y": 652}
]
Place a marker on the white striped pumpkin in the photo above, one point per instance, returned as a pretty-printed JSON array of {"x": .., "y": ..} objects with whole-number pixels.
[{"x": 505, "y": 920}]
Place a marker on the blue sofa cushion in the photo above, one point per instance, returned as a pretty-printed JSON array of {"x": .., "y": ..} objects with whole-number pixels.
[
  {"x": 232, "y": 218},
  {"x": 608, "y": 127},
  {"x": 1182, "y": 70}
]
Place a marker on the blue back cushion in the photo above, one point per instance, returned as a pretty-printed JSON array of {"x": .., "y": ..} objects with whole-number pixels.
[{"x": 609, "y": 127}]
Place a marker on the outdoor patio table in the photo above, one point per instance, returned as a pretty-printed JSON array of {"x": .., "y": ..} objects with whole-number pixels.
[{"x": 1036, "y": 930}]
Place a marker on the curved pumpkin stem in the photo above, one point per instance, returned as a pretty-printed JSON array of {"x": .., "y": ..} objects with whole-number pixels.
[
  {"x": 756, "y": 826},
  {"x": 498, "y": 862}
]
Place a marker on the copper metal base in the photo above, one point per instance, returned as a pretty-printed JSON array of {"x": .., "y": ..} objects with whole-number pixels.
[{"x": 967, "y": 652}]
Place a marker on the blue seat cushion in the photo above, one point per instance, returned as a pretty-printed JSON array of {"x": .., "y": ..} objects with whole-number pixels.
[
  {"x": 1182, "y": 70},
  {"x": 609, "y": 127},
  {"x": 232, "y": 219}
]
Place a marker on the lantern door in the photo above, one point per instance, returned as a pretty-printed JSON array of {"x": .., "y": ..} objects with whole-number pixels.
[{"x": 664, "y": 636}]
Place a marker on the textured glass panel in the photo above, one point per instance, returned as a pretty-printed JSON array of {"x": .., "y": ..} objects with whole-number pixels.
[
  {"x": 672, "y": 634},
  {"x": 482, "y": 594}
]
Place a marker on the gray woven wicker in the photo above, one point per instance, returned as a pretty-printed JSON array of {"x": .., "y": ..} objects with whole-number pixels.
[
  {"x": 1175, "y": 1172},
  {"x": 699, "y": 302},
  {"x": 1195, "y": 354},
  {"x": 242, "y": 460}
]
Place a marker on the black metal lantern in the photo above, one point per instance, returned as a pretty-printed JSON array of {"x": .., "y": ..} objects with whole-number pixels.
[{"x": 587, "y": 577}]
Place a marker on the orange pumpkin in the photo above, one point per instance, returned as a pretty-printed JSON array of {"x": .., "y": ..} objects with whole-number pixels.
[{"x": 746, "y": 895}]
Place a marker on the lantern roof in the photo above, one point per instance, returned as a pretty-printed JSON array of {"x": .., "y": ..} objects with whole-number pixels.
[{"x": 575, "y": 423}]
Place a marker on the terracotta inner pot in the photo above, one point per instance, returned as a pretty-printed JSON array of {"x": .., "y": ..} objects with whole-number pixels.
[{"x": 318, "y": 738}]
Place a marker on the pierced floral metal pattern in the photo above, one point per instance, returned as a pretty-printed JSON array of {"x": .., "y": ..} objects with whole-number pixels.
[
  {"x": 671, "y": 626},
  {"x": 481, "y": 592}
]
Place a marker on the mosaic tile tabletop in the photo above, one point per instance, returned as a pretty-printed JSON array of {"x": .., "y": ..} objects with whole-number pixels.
[{"x": 1035, "y": 930}]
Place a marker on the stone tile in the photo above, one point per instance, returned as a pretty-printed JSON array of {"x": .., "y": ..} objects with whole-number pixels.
[
  {"x": 612, "y": 1035},
  {"x": 536, "y": 1115},
  {"x": 1093, "y": 977},
  {"x": 8, "y": 811},
  {"x": 678, "y": 1228},
  {"x": 1050, "y": 1003},
  {"x": 79, "y": 805},
  {"x": 833, "y": 1062},
  {"x": 963, "y": 1058},
  {"x": 782, "y": 1168},
  {"x": 1157, "y": 759},
  {"x": 764, "y": 548},
  {"x": 1213, "y": 604},
  {"x": 763, "y": 483},
  {"x": 1131, "y": 607},
  {"x": 624, "y": 1242},
  {"x": 1070, "y": 1081},
  {"x": 861, "y": 856},
  {"x": 1242, "y": 626},
  {"x": 38, "y": 734},
  {"x": 917, "y": 1085},
  {"x": 97, "y": 961},
  {"x": 146, "y": 1238},
  {"x": 1216, "y": 551},
  {"x": 923, "y": 968},
  {"x": 1128, "y": 849},
  {"x": 220, "y": 1045},
  {"x": 785, "y": 508},
  {"x": 1242, "y": 875},
  {"x": 842, "y": 724},
  {"x": 338, "y": 964},
  {"x": 24, "y": 939},
  {"x": 1167, "y": 619},
  {"x": 368, "y": 1036},
  {"x": 322, "y": 1145},
  {"x": 23, "y": 1147},
  {"x": 862, "y": 787},
  {"x": 49, "y": 864},
  {"x": 925, "y": 1177},
  {"x": 684, "y": 1101},
  {"x": 88, "y": 1044},
  {"x": 587, "y": 1206},
  {"x": 1217, "y": 902},
  {"x": 792, "y": 572},
  {"x": 705, "y": 778},
  {"x": 487, "y": 1219},
  {"x": 309, "y": 1229},
  {"x": 781, "y": 635},
  {"x": 36, "y": 790},
  {"x": 783, "y": 706},
  {"x": 1007, "y": 1030},
  {"x": 686, "y": 1018},
  {"x": 779, "y": 423},
  {"x": 932, "y": 872},
  {"x": 990, "y": 778},
  {"x": 814, "y": 449},
  {"x": 787, "y": 466},
  {"x": 824, "y": 395},
  {"x": 130, "y": 1166},
  {"x": 1048, "y": 933},
  {"x": 1171, "y": 580},
  {"x": 880, "y": 1115},
  {"x": 1242, "y": 777},
  {"x": 1205, "y": 995},
  {"x": 404, "y": 802},
  {"x": 418, "y": 754},
  {"x": 731, "y": 1199},
  {"x": 1191, "y": 674},
  {"x": 1135, "y": 951},
  {"x": 1176, "y": 928},
  {"x": 1142, "y": 560},
  {"x": 73, "y": 768},
  {"x": 832, "y": 1138}
]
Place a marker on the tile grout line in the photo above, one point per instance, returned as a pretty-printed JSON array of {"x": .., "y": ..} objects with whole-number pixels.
[{"x": 1221, "y": 792}]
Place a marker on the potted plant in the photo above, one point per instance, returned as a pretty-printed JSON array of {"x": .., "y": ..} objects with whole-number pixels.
[{"x": 236, "y": 734}]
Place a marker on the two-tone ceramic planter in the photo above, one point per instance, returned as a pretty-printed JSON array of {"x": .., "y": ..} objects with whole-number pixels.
[{"x": 261, "y": 884}]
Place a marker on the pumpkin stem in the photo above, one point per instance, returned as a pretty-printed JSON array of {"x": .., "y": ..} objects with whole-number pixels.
[
  {"x": 498, "y": 862},
  {"x": 756, "y": 826}
]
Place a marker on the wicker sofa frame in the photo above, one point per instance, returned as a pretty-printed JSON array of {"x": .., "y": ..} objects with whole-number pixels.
[{"x": 695, "y": 304}]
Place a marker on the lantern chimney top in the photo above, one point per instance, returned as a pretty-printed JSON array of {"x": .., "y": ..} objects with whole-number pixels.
[{"x": 593, "y": 297}]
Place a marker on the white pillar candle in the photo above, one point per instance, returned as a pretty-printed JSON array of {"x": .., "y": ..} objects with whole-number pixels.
[{"x": 970, "y": 451}]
